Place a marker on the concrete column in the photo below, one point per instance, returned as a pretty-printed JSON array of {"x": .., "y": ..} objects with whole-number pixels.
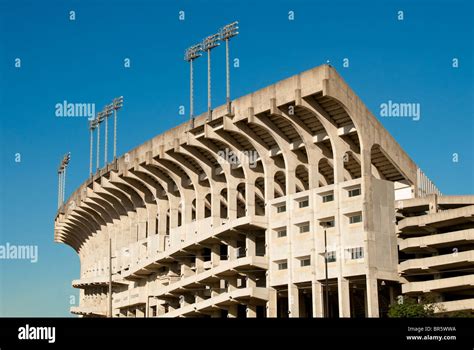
[
  {"x": 251, "y": 311},
  {"x": 293, "y": 300},
  {"x": 269, "y": 187},
  {"x": 215, "y": 255},
  {"x": 250, "y": 245},
  {"x": 186, "y": 268},
  {"x": 140, "y": 313},
  {"x": 232, "y": 201},
  {"x": 344, "y": 297},
  {"x": 187, "y": 207},
  {"x": 232, "y": 283},
  {"x": 151, "y": 219},
  {"x": 232, "y": 249},
  {"x": 215, "y": 207},
  {"x": 372, "y": 297},
  {"x": 290, "y": 175},
  {"x": 232, "y": 311},
  {"x": 251, "y": 281},
  {"x": 142, "y": 230},
  {"x": 272, "y": 303},
  {"x": 317, "y": 299},
  {"x": 160, "y": 309},
  {"x": 162, "y": 228},
  {"x": 200, "y": 206},
  {"x": 215, "y": 289},
  {"x": 250, "y": 196},
  {"x": 173, "y": 217},
  {"x": 199, "y": 262}
]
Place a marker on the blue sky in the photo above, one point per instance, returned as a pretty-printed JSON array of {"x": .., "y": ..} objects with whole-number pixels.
[{"x": 82, "y": 61}]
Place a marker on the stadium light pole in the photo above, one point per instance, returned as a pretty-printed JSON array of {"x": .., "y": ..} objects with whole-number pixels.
[
  {"x": 226, "y": 33},
  {"x": 92, "y": 126},
  {"x": 66, "y": 159},
  {"x": 107, "y": 112},
  {"x": 190, "y": 55},
  {"x": 116, "y": 105},
  {"x": 99, "y": 119},
  {"x": 60, "y": 184},
  {"x": 62, "y": 178},
  {"x": 208, "y": 44}
]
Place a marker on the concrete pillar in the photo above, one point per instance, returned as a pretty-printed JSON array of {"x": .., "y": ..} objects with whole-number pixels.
[
  {"x": 344, "y": 297},
  {"x": 232, "y": 201},
  {"x": 251, "y": 281},
  {"x": 251, "y": 311},
  {"x": 372, "y": 297},
  {"x": 140, "y": 313},
  {"x": 293, "y": 300},
  {"x": 200, "y": 206},
  {"x": 215, "y": 289},
  {"x": 250, "y": 245},
  {"x": 232, "y": 311},
  {"x": 173, "y": 216},
  {"x": 215, "y": 255},
  {"x": 199, "y": 262},
  {"x": 317, "y": 299},
  {"x": 290, "y": 175},
  {"x": 187, "y": 207},
  {"x": 162, "y": 226},
  {"x": 232, "y": 249},
  {"x": 215, "y": 207},
  {"x": 186, "y": 268},
  {"x": 272, "y": 303},
  {"x": 232, "y": 283},
  {"x": 250, "y": 196},
  {"x": 151, "y": 219}
]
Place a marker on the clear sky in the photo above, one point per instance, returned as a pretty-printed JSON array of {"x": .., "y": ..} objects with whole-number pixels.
[{"x": 83, "y": 61}]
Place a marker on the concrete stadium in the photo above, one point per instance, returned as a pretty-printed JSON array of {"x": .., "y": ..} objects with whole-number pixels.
[{"x": 317, "y": 212}]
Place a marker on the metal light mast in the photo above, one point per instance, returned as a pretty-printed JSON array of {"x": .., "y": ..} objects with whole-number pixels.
[
  {"x": 226, "y": 33},
  {"x": 190, "y": 55},
  {"x": 99, "y": 119},
  {"x": 208, "y": 44},
  {"x": 92, "y": 126},
  {"x": 62, "y": 178},
  {"x": 116, "y": 105},
  {"x": 107, "y": 112}
]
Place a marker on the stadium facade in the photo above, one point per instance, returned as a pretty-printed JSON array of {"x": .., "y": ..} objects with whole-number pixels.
[{"x": 234, "y": 216}]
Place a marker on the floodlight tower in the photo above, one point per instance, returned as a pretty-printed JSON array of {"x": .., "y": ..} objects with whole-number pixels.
[
  {"x": 107, "y": 112},
  {"x": 60, "y": 185},
  {"x": 66, "y": 159},
  {"x": 99, "y": 119},
  {"x": 92, "y": 126},
  {"x": 190, "y": 55},
  {"x": 116, "y": 105},
  {"x": 62, "y": 178},
  {"x": 207, "y": 45},
  {"x": 226, "y": 33}
]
